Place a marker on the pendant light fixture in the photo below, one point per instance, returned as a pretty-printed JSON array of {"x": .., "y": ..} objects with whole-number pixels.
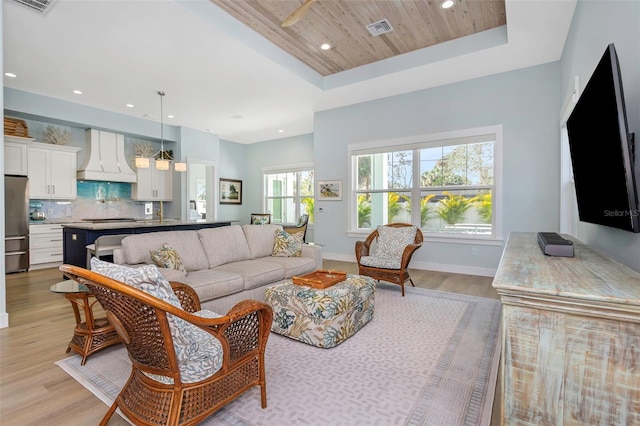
[
  {"x": 141, "y": 162},
  {"x": 164, "y": 160}
]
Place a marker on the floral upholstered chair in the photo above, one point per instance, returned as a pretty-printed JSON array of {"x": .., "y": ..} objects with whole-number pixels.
[
  {"x": 387, "y": 251},
  {"x": 300, "y": 227},
  {"x": 260, "y": 218},
  {"x": 186, "y": 362}
]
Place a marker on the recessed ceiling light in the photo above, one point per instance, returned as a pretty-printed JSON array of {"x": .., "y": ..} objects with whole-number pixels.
[
  {"x": 10, "y": 74},
  {"x": 325, "y": 46},
  {"x": 129, "y": 105},
  {"x": 170, "y": 116},
  {"x": 446, "y": 4},
  {"x": 280, "y": 131},
  {"x": 78, "y": 92}
]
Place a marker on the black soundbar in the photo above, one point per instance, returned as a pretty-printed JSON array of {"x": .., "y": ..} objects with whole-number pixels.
[{"x": 553, "y": 244}]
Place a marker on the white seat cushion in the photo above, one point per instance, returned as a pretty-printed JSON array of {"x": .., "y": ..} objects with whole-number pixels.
[{"x": 381, "y": 262}]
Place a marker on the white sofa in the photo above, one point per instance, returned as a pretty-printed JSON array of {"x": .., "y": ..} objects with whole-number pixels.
[{"x": 223, "y": 265}]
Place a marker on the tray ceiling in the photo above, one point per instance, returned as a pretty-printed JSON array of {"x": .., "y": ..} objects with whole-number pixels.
[{"x": 223, "y": 77}]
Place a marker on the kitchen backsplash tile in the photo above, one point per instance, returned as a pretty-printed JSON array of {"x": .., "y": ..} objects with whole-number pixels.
[
  {"x": 95, "y": 200},
  {"x": 104, "y": 191}
]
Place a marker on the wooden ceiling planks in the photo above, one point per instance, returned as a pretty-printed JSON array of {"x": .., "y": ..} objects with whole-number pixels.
[{"x": 342, "y": 23}]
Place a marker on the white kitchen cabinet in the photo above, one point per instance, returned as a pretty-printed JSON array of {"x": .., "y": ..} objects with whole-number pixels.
[
  {"x": 16, "y": 151},
  {"x": 45, "y": 246},
  {"x": 52, "y": 171},
  {"x": 153, "y": 184}
]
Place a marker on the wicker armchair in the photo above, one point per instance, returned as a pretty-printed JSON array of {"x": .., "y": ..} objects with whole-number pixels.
[
  {"x": 157, "y": 392},
  {"x": 383, "y": 268}
]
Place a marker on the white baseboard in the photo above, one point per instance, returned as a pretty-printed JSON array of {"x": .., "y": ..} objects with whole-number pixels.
[
  {"x": 427, "y": 266},
  {"x": 4, "y": 320}
]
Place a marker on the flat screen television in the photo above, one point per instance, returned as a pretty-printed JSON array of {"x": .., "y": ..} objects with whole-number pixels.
[{"x": 602, "y": 151}]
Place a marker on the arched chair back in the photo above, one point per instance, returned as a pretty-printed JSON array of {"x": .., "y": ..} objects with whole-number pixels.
[{"x": 386, "y": 257}]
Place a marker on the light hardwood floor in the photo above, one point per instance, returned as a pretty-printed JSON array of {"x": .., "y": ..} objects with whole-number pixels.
[{"x": 35, "y": 391}]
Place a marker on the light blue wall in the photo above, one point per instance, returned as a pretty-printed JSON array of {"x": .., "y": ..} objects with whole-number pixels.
[
  {"x": 194, "y": 144},
  {"x": 595, "y": 25},
  {"x": 233, "y": 164},
  {"x": 282, "y": 152},
  {"x": 525, "y": 102},
  {"x": 203, "y": 145}
]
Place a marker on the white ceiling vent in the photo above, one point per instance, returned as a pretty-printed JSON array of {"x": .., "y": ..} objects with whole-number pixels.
[
  {"x": 380, "y": 27},
  {"x": 39, "y": 6}
]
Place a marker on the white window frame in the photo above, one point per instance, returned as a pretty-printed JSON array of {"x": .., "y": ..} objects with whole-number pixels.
[
  {"x": 427, "y": 141},
  {"x": 293, "y": 168}
]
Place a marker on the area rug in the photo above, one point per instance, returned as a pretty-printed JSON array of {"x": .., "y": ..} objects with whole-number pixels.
[{"x": 429, "y": 358}]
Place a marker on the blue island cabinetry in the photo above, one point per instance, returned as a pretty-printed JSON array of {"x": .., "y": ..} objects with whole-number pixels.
[{"x": 77, "y": 236}]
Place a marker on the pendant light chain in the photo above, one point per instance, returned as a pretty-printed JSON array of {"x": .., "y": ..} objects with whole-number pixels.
[
  {"x": 161, "y": 93},
  {"x": 162, "y": 163}
]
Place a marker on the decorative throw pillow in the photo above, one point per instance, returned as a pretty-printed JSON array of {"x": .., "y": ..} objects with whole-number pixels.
[
  {"x": 392, "y": 241},
  {"x": 167, "y": 257},
  {"x": 190, "y": 342},
  {"x": 136, "y": 277},
  {"x": 287, "y": 245}
]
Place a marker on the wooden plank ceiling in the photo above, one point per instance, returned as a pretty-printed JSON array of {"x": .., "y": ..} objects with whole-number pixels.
[{"x": 342, "y": 23}]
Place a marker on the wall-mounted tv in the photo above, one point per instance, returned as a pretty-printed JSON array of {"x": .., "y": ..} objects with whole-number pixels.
[{"x": 602, "y": 150}]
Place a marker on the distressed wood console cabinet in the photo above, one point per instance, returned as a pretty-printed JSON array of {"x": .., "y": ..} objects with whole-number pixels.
[{"x": 571, "y": 337}]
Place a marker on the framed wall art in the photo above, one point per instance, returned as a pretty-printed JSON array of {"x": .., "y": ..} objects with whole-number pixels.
[
  {"x": 329, "y": 190},
  {"x": 230, "y": 191}
]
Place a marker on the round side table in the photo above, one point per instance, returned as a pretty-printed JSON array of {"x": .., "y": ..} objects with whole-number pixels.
[{"x": 89, "y": 335}]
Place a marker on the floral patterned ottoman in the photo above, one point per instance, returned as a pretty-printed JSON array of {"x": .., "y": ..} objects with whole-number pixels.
[{"x": 322, "y": 318}]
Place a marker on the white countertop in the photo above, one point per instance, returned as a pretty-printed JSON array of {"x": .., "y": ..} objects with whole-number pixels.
[{"x": 138, "y": 224}]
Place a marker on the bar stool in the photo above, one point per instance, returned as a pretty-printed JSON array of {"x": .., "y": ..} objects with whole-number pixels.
[{"x": 104, "y": 246}]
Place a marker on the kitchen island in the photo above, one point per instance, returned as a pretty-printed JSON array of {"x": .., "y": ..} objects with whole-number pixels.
[{"x": 76, "y": 236}]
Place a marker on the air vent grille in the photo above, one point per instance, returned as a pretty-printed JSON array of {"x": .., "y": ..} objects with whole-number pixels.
[
  {"x": 38, "y": 6},
  {"x": 380, "y": 27}
]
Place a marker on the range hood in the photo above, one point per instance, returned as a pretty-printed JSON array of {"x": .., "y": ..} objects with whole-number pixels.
[{"x": 105, "y": 159}]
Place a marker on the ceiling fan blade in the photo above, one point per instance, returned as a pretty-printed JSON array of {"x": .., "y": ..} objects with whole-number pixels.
[{"x": 298, "y": 13}]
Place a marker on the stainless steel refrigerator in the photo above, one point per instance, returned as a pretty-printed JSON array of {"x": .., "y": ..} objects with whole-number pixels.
[{"x": 16, "y": 223}]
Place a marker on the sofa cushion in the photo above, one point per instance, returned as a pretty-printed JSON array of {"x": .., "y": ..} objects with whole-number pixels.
[
  {"x": 293, "y": 265},
  {"x": 210, "y": 283},
  {"x": 255, "y": 273},
  {"x": 287, "y": 245},
  {"x": 136, "y": 248},
  {"x": 260, "y": 239},
  {"x": 173, "y": 275},
  {"x": 224, "y": 245}
]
